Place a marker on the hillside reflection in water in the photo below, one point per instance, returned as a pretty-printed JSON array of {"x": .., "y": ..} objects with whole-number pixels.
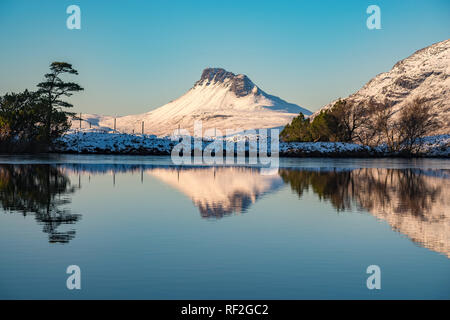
[{"x": 411, "y": 201}]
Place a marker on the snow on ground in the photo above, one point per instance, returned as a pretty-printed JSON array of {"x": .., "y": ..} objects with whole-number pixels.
[
  {"x": 94, "y": 141},
  {"x": 437, "y": 145},
  {"x": 322, "y": 147},
  {"x": 433, "y": 146}
]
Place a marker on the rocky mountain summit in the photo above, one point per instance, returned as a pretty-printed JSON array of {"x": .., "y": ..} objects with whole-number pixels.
[{"x": 240, "y": 84}]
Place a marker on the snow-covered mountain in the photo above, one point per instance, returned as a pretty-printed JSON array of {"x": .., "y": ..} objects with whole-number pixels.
[
  {"x": 424, "y": 74},
  {"x": 220, "y": 99}
]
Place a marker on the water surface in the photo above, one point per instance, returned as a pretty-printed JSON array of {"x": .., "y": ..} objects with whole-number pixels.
[{"x": 139, "y": 227}]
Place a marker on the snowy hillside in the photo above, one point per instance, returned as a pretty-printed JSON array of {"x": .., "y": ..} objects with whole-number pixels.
[
  {"x": 220, "y": 99},
  {"x": 424, "y": 74}
]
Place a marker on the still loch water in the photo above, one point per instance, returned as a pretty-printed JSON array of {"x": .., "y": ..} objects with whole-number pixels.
[{"x": 140, "y": 228}]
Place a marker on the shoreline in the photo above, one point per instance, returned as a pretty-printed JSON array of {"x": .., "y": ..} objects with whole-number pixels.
[
  {"x": 336, "y": 155},
  {"x": 89, "y": 142}
]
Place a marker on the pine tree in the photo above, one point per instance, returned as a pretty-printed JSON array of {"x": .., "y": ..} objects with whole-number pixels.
[{"x": 52, "y": 90}]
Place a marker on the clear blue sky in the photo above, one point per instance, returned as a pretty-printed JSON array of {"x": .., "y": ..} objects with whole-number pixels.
[{"x": 134, "y": 56}]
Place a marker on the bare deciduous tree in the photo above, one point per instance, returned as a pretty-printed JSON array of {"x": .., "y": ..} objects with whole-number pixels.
[
  {"x": 404, "y": 132},
  {"x": 414, "y": 122},
  {"x": 349, "y": 116},
  {"x": 377, "y": 126}
]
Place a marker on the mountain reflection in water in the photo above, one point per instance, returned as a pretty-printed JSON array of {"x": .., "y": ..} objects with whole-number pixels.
[
  {"x": 220, "y": 191},
  {"x": 413, "y": 201}
]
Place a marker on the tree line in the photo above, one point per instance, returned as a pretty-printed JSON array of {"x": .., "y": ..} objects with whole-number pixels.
[
  {"x": 369, "y": 123},
  {"x": 31, "y": 121}
]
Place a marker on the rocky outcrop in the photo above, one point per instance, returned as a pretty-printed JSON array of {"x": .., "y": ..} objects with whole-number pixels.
[{"x": 240, "y": 84}]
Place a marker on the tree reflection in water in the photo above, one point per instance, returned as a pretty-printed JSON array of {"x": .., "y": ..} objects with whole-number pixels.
[
  {"x": 368, "y": 188},
  {"x": 327, "y": 185},
  {"x": 413, "y": 201},
  {"x": 42, "y": 190}
]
